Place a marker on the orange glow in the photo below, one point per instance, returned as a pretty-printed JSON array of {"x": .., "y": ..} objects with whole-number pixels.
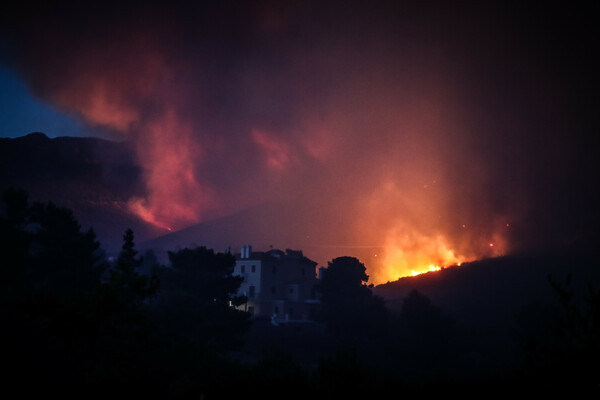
[
  {"x": 431, "y": 268},
  {"x": 415, "y": 237},
  {"x": 385, "y": 148},
  {"x": 413, "y": 255}
]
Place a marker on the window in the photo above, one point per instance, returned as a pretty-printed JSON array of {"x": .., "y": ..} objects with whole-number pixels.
[
  {"x": 251, "y": 292},
  {"x": 254, "y": 268},
  {"x": 243, "y": 268},
  {"x": 276, "y": 310},
  {"x": 291, "y": 290}
]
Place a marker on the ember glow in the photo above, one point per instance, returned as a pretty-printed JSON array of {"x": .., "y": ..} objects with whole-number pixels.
[
  {"x": 415, "y": 255},
  {"x": 431, "y": 268},
  {"x": 408, "y": 252},
  {"x": 412, "y": 141}
]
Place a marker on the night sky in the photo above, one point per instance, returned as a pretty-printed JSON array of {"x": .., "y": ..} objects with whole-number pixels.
[
  {"x": 441, "y": 133},
  {"x": 22, "y": 113}
]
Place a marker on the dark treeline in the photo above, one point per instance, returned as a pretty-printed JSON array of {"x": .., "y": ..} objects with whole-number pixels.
[{"x": 78, "y": 324}]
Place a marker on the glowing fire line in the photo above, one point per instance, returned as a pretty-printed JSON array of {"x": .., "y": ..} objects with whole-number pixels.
[{"x": 431, "y": 268}]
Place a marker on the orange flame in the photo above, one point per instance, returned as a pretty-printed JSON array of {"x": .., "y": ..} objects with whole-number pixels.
[
  {"x": 416, "y": 236},
  {"x": 432, "y": 268},
  {"x": 409, "y": 255}
]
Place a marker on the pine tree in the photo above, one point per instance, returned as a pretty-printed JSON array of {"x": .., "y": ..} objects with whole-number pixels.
[{"x": 125, "y": 278}]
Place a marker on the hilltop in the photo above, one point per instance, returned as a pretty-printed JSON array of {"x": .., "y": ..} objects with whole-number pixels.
[{"x": 93, "y": 177}]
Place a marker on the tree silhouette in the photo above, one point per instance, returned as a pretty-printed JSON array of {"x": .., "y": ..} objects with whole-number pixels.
[
  {"x": 125, "y": 278},
  {"x": 46, "y": 249},
  {"x": 424, "y": 338},
  {"x": 343, "y": 372},
  {"x": 128, "y": 251},
  {"x": 348, "y": 307},
  {"x": 570, "y": 352},
  {"x": 198, "y": 298},
  {"x": 423, "y": 323},
  {"x": 52, "y": 272}
]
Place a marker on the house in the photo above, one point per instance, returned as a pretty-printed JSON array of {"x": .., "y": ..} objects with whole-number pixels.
[{"x": 279, "y": 285}]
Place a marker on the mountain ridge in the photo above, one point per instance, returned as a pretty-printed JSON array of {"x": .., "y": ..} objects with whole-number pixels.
[{"x": 93, "y": 177}]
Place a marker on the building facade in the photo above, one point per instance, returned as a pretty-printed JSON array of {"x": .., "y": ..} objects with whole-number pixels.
[{"x": 279, "y": 285}]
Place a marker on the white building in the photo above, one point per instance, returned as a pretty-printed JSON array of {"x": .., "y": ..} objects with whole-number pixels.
[{"x": 278, "y": 285}]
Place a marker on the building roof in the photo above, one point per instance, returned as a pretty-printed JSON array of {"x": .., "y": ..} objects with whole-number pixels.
[{"x": 276, "y": 254}]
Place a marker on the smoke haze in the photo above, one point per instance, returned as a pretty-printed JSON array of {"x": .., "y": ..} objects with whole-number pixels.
[{"x": 437, "y": 134}]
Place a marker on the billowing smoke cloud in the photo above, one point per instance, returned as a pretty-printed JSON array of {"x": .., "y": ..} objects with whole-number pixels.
[{"x": 440, "y": 134}]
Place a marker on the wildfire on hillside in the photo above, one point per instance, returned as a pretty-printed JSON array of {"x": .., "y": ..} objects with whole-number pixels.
[{"x": 417, "y": 137}]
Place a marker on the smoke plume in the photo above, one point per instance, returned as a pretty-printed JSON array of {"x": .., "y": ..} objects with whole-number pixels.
[{"x": 439, "y": 134}]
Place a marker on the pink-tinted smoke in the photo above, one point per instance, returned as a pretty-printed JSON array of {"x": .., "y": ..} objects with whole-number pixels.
[{"x": 403, "y": 125}]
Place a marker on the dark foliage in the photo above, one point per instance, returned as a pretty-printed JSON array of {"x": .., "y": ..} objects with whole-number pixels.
[
  {"x": 198, "y": 298},
  {"x": 72, "y": 328},
  {"x": 568, "y": 351},
  {"x": 45, "y": 249},
  {"x": 125, "y": 279},
  {"x": 66, "y": 330},
  {"x": 348, "y": 307}
]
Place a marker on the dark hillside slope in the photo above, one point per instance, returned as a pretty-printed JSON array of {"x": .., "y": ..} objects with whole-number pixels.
[
  {"x": 91, "y": 176},
  {"x": 499, "y": 302}
]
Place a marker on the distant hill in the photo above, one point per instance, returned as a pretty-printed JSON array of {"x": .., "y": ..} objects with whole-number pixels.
[
  {"x": 498, "y": 299},
  {"x": 91, "y": 176},
  {"x": 479, "y": 287},
  {"x": 95, "y": 178},
  {"x": 299, "y": 225}
]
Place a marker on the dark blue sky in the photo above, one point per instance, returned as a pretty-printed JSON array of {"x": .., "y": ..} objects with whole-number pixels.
[{"x": 22, "y": 113}]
